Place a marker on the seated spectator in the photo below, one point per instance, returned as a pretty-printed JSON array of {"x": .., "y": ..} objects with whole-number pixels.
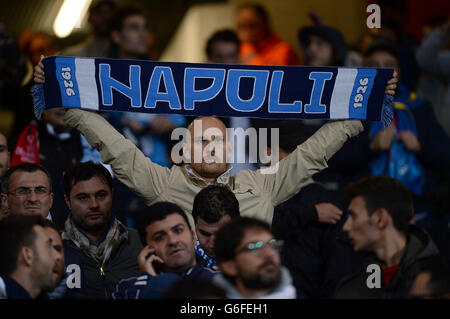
[
  {"x": 323, "y": 45},
  {"x": 414, "y": 149},
  {"x": 103, "y": 248},
  {"x": 27, "y": 190},
  {"x": 98, "y": 42},
  {"x": 249, "y": 259},
  {"x": 379, "y": 223},
  {"x": 433, "y": 57},
  {"x": 29, "y": 262},
  {"x": 214, "y": 206},
  {"x": 168, "y": 255},
  {"x": 4, "y": 164},
  {"x": 316, "y": 251},
  {"x": 433, "y": 279},
  {"x": 260, "y": 44},
  {"x": 57, "y": 243},
  {"x": 4, "y": 155},
  {"x": 52, "y": 144}
]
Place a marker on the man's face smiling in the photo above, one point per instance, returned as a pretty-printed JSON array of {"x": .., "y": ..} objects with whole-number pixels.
[{"x": 173, "y": 242}]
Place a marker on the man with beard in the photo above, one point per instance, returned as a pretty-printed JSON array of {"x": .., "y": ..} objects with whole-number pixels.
[
  {"x": 27, "y": 190},
  {"x": 249, "y": 259},
  {"x": 169, "y": 253},
  {"x": 29, "y": 262},
  {"x": 95, "y": 242}
]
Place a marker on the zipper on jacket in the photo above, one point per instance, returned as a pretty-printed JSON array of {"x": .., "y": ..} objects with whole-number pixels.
[{"x": 102, "y": 274}]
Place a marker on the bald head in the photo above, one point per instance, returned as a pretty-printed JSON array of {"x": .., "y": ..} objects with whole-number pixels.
[{"x": 208, "y": 147}]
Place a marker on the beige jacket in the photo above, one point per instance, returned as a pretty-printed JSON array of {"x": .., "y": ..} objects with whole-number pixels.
[{"x": 257, "y": 193}]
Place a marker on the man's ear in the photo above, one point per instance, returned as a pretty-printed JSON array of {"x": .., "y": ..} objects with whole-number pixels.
[
  {"x": 382, "y": 218},
  {"x": 115, "y": 37},
  {"x": 4, "y": 199},
  {"x": 27, "y": 256},
  {"x": 229, "y": 268},
  {"x": 67, "y": 200}
]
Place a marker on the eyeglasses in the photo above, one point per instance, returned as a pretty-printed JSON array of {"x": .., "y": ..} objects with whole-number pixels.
[
  {"x": 26, "y": 191},
  {"x": 258, "y": 246}
]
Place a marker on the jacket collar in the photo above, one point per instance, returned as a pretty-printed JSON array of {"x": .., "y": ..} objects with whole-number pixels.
[{"x": 224, "y": 178}]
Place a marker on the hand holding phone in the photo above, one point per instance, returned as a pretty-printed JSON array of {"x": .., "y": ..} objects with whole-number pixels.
[{"x": 148, "y": 261}]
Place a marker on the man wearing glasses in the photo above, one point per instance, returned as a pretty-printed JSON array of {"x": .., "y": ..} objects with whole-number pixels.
[
  {"x": 26, "y": 190},
  {"x": 249, "y": 258}
]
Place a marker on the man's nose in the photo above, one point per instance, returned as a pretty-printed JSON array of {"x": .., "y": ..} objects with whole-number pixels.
[
  {"x": 93, "y": 203},
  {"x": 347, "y": 225}
]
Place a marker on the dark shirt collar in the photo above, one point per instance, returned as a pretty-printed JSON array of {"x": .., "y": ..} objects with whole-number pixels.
[{"x": 14, "y": 290}]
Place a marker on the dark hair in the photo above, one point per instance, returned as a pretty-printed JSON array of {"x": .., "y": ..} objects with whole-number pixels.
[
  {"x": 83, "y": 172},
  {"x": 229, "y": 237},
  {"x": 25, "y": 167},
  {"x": 380, "y": 44},
  {"x": 194, "y": 288},
  {"x": 157, "y": 212},
  {"x": 259, "y": 9},
  {"x": 121, "y": 14},
  {"x": 16, "y": 231},
  {"x": 214, "y": 202},
  {"x": 384, "y": 192},
  {"x": 225, "y": 35},
  {"x": 438, "y": 267}
]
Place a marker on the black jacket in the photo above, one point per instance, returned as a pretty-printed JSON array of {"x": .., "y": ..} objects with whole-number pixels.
[
  {"x": 95, "y": 285},
  {"x": 317, "y": 255},
  {"x": 418, "y": 247}
]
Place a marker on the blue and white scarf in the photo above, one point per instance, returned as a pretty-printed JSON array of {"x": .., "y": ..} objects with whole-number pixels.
[
  {"x": 208, "y": 261},
  {"x": 195, "y": 89}
]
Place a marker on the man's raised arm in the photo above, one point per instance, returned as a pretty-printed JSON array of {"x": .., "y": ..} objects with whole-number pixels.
[{"x": 129, "y": 164}]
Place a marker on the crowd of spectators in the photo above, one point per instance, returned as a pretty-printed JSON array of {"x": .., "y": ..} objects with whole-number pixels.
[{"x": 80, "y": 222}]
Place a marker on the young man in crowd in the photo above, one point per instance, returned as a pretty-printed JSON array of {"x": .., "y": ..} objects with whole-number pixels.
[
  {"x": 27, "y": 189},
  {"x": 249, "y": 258},
  {"x": 168, "y": 255},
  {"x": 379, "y": 223},
  {"x": 260, "y": 44},
  {"x": 102, "y": 248},
  {"x": 214, "y": 206},
  {"x": 30, "y": 263}
]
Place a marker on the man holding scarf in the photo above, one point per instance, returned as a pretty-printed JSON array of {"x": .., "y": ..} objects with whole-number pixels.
[{"x": 258, "y": 193}]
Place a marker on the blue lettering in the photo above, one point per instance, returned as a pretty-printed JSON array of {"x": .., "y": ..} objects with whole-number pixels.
[
  {"x": 314, "y": 105},
  {"x": 274, "y": 97},
  {"x": 259, "y": 89},
  {"x": 107, "y": 84},
  {"x": 191, "y": 95},
  {"x": 171, "y": 94}
]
